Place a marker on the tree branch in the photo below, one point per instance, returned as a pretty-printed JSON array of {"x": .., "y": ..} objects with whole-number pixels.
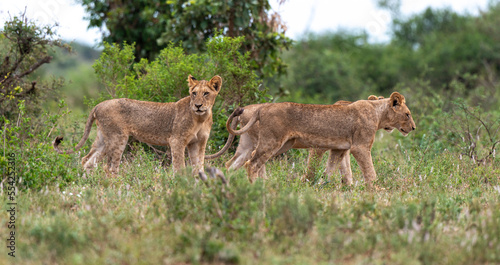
[{"x": 44, "y": 60}]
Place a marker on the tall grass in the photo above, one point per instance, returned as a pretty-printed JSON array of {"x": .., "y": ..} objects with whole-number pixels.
[{"x": 429, "y": 209}]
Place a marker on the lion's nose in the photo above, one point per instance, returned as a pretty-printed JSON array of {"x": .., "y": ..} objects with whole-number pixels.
[
  {"x": 413, "y": 128},
  {"x": 198, "y": 105}
]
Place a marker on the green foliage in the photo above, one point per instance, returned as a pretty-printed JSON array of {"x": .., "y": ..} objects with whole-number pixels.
[
  {"x": 164, "y": 79},
  {"x": 442, "y": 47},
  {"x": 434, "y": 209},
  {"x": 140, "y": 21},
  {"x": 25, "y": 47},
  {"x": 341, "y": 65},
  {"x": 478, "y": 131},
  {"x": 192, "y": 23},
  {"x": 76, "y": 69},
  {"x": 36, "y": 163},
  {"x": 322, "y": 65}
]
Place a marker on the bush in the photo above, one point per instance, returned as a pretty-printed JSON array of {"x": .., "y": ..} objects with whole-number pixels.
[
  {"x": 36, "y": 163},
  {"x": 25, "y": 47}
]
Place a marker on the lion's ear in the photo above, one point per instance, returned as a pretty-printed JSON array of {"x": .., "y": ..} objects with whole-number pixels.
[
  {"x": 396, "y": 99},
  {"x": 192, "y": 81},
  {"x": 215, "y": 83},
  {"x": 372, "y": 97}
]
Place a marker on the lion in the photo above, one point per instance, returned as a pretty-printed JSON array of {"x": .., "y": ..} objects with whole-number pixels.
[
  {"x": 248, "y": 142},
  {"x": 180, "y": 125},
  {"x": 338, "y": 128}
]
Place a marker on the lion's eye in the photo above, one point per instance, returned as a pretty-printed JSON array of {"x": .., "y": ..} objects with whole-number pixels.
[
  {"x": 408, "y": 115},
  {"x": 194, "y": 93},
  {"x": 205, "y": 94}
]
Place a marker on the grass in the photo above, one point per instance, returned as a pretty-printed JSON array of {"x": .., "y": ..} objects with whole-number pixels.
[{"x": 429, "y": 209}]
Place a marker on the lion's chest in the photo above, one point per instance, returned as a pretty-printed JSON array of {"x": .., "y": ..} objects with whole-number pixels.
[{"x": 197, "y": 133}]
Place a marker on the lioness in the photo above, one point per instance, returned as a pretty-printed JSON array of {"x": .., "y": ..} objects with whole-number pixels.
[
  {"x": 181, "y": 124},
  {"x": 338, "y": 128},
  {"x": 248, "y": 142}
]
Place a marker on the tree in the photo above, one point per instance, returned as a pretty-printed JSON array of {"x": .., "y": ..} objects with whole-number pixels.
[
  {"x": 25, "y": 47},
  {"x": 449, "y": 46},
  {"x": 153, "y": 24}
]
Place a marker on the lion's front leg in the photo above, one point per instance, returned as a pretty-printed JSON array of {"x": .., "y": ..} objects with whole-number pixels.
[
  {"x": 364, "y": 158},
  {"x": 178, "y": 149},
  {"x": 196, "y": 152}
]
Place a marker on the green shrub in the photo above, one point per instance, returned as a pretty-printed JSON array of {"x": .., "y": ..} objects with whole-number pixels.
[
  {"x": 36, "y": 162},
  {"x": 25, "y": 48}
]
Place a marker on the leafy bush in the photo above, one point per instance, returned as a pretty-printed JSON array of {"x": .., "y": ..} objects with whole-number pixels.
[
  {"x": 164, "y": 79},
  {"x": 25, "y": 47},
  {"x": 36, "y": 163},
  {"x": 478, "y": 131}
]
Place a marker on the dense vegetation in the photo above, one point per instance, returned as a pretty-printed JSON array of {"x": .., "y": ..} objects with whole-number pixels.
[
  {"x": 438, "y": 190},
  {"x": 153, "y": 24}
]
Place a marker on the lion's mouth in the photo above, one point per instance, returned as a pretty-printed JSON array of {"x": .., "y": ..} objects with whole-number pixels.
[
  {"x": 200, "y": 112},
  {"x": 403, "y": 132}
]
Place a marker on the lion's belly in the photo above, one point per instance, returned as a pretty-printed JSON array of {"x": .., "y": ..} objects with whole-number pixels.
[
  {"x": 315, "y": 141},
  {"x": 151, "y": 139}
]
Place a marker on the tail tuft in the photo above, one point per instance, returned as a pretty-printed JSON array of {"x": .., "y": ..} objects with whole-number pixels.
[
  {"x": 58, "y": 140},
  {"x": 238, "y": 111},
  {"x": 56, "y": 143}
]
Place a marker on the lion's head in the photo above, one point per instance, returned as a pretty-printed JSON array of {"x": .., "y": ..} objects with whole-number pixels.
[
  {"x": 203, "y": 93},
  {"x": 399, "y": 116}
]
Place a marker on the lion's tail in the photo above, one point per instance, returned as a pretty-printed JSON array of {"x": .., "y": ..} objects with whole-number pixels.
[
  {"x": 88, "y": 127},
  {"x": 229, "y": 141},
  {"x": 237, "y": 112}
]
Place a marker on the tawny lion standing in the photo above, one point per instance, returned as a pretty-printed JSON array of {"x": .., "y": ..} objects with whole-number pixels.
[
  {"x": 338, "y": 128},
  {"x": 180, "y": 125}
]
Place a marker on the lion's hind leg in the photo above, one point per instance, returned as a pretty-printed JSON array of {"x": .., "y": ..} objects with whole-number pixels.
[
  {"x": 262, "y": 153},
  {"x": 96, "y": 153},
  {"x": 313, "y": 161},
  {"x": 114, "y": 151},
  {"x": 243, "y": 152},
  {"x": 340, "y": 158},
  {"x": 345, "y": 168}
]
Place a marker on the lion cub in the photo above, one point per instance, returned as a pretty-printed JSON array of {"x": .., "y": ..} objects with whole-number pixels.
[
  {"x": 339, "y": 128},
  {"x": 180, "y": 125},
  {"x": 248, "y": 143}
]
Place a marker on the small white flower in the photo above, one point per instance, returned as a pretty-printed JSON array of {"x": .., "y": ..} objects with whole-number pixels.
[
  {"x": 70, "y": 194},
  {"x": 64, "y": 192}
]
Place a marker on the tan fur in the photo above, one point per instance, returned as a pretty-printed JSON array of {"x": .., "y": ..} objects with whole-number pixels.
[
  {"x": 339, "y": 128},
  {"x": 248, "y": 143},
  {"x": 180, "y": 125}
]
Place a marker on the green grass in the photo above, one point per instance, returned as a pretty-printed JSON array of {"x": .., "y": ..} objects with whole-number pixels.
[{"x": 429, "y": 209}]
